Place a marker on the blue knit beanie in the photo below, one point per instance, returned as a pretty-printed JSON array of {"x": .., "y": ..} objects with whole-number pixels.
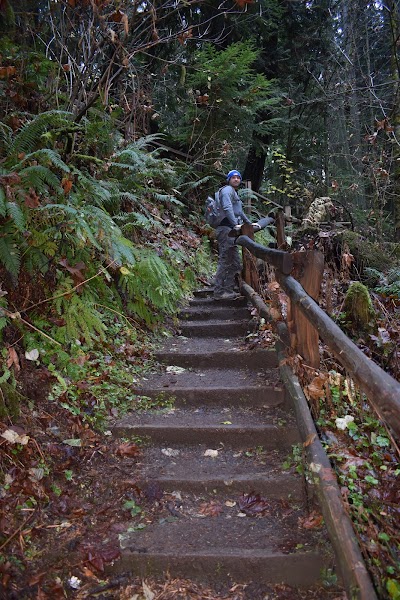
[{"x": 232, "y": 173}]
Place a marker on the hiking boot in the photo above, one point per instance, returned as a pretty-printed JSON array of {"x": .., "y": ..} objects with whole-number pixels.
[{"x": 227, "y": 296}]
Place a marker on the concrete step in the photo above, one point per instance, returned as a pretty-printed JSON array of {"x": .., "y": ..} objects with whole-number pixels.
[
  {"x": 226, "y": 387},
  {"x": 220, "y": 313},
  {"x": 205, "y": 292},
  {"x": 189, "y": 469},
  {"x": 208, "y": 301},
  {"x": 228, "y": 353},
  {"x": 238, "y": 427},
  {"x": 215, "y": 328},
  {"x": 234, "y": 435},
  {"x": 204, "y": 538}
]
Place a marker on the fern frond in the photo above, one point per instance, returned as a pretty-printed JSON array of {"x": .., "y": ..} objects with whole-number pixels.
[
  {"x": 142, "y": 311},
  {"x": 134, "y": 219},
  {"x": 92, "y": 188},
  {"x": 10, "y": 255},
  {"x": 15, "y": 212},
  {"x": 145, "y": 141},
  {"x": 152, "y": 281},
  {"x": 82, "y": 320},
  {"x": 44, "y": 157},
  {"x": 82, "y": 229},
  {"x": 167, "y": 198},
  {"x": 6, "y": 134},
  {"x": 193, "y": 185},
  {"x": 27, "y": 138},
  {"x": 3, "y": 203},
  {"x": 40, "y": 178},
  {"x": 41, "y": 241},
  {"x": 122, "y": 250}
]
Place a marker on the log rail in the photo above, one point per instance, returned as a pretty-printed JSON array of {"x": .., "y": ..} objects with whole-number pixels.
[{"x": 382, "y": 390}]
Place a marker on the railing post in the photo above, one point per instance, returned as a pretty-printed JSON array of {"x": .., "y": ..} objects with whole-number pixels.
[
  {"x": 280, "y": 230},
  {"x": 249, "y": 273},
  {"x": 304, "y": 338}
]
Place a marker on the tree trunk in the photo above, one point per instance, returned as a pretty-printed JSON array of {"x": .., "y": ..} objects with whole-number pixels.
[
  {"x": 254, "y": 169},
  {"x": 395, "y": 69}
]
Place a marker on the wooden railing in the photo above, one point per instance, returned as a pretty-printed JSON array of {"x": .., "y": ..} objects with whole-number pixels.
[{"x": 382, "y": 390}]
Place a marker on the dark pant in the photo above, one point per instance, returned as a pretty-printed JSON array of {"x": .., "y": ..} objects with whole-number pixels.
[{"x": 229, "y": 263}]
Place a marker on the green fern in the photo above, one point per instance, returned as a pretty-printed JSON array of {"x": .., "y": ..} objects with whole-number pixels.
[
  {"x": 151, "y": 282},
  {"x": 40, "y": 178},
  {"x": 167, "y": 198},
  {"x": 27, "y": 138},
  {"x": 6, "y": 134},
  {"x": 133, "y": 220},
  {"x": 82, "y": 319},
  {"x": 10, "y": 255},
  {"x": 92, "y": 188},
  {"x": 44, "y": 156},
  {"x": 15, "y": 212},
  {"x": 41, "y": 241},
  {"x": 3, "y": 203}
]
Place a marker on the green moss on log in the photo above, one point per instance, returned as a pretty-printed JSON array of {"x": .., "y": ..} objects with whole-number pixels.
[{"x": 357, "y": 308}]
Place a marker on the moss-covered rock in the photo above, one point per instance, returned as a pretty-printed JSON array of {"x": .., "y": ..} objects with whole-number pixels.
[{"x": 359, "y": 313}]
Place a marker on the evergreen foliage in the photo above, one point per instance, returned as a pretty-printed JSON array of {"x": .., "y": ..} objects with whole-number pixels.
[{"x": 223, "y": 94}]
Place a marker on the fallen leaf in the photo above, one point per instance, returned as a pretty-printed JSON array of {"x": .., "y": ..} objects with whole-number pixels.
[
  {"x": 13, "y": 359},
  {"x": 76, "y": 442},
  {"x": 148, "y": 594},
  {"x": 32, "y": 354},
  {"x": 230, "y": 503},
  {"x": 210, "y": 509},
  {"x": 170, "y": 452},
  {"x": 310, "y": 439},
  {"x": 252, "y": 504},
  {"x": 313, "y": 521},
  {"x": 15, "y": 438},
  {"x": 128, "y": 449},
  {"x": 175, "y": 370},
  {"x": 211, "y": 453}
]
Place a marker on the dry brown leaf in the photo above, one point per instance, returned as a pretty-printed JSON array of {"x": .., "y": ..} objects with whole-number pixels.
[
  {"x": 310, "y": 439},
  {"x": 313, "y": 521},
  {"x": 210, "y": 509},
  {"x": 13, "y": 359},
  {"x": 128, "y": 449}
]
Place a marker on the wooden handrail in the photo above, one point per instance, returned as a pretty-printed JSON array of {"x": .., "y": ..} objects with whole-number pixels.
[
  {"x": 382, "y": 390},
  {"x": 279, "y": 259}
]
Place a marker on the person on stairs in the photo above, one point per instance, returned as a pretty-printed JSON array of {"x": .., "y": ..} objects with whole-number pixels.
[{"x": 229, "y": 263}]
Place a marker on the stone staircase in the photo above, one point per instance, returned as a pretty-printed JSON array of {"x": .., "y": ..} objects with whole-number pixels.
[{"x": 214, "y": 457}]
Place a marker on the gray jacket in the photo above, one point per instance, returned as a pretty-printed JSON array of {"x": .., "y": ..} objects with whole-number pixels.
[{"x": 232, "y": 207}]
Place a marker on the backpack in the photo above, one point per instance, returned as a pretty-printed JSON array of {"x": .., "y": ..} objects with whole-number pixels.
[{"x": 214, "y": 213}]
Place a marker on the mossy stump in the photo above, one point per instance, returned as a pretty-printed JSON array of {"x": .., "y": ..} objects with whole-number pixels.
[{"x": 357, "y": 308}]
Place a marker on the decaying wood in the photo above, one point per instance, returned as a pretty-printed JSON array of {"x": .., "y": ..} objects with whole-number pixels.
[
  {"x": 250, "y": 275},
  {"x": 308, "y": 269},
  {"x": 280, "y": 230}
]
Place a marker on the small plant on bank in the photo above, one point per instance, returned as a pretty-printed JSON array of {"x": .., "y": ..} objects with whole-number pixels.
[{"x": 366, "y": 461}]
